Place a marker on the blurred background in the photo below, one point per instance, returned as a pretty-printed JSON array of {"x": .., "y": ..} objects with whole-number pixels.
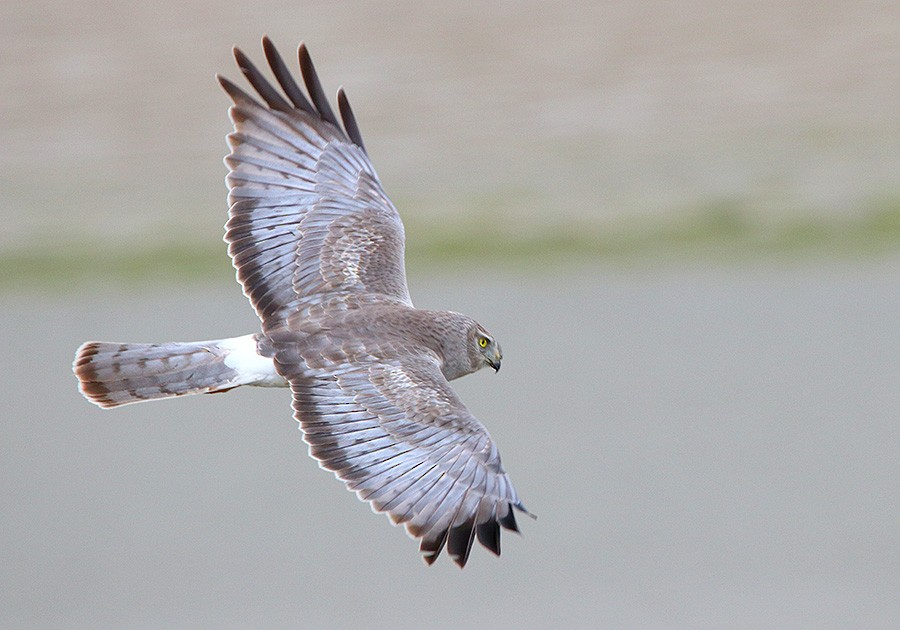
[{"x": 682, "y": 220}]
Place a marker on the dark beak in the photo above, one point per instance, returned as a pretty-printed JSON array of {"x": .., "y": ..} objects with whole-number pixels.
[{"x": 494, "y": 359}]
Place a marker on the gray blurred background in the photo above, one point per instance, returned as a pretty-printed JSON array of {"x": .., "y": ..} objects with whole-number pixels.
[{"x": 682, "y": 220}]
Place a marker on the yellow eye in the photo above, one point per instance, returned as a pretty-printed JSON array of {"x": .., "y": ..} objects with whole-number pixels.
[{"x": 483, "y": 342}]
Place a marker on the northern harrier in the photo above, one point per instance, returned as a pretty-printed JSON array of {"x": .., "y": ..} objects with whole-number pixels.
[{"x": 318, "y": 249}]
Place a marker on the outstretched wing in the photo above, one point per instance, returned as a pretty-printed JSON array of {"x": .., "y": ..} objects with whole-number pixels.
[
  {"x": 307, "y": 212},
  {"x": 397, "y": 434}
]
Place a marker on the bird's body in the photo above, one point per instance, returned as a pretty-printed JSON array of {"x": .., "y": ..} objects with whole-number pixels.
[{"x": 318, "y": 248}]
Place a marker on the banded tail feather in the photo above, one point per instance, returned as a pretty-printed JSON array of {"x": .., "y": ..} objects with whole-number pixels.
[{"x": 114, "y": 374}]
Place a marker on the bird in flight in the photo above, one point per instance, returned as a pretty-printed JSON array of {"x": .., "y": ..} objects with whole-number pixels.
[{"x": 319, "y": 250}]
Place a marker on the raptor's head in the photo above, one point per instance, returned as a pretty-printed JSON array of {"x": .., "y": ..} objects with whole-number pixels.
[{"x": 483, "y": 349}]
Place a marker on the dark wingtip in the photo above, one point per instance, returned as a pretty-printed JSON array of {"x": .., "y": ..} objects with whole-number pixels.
[
  {"x": 459, "y": 542},
  {"x": 350, "y": 124},
  {"x": 227, "y": 85},
  {"x": 314, "y": 86},
  {"x": 259, "y": 82},
  {"x": 235, "y": 93},
  {"x": 284, "y": 77},
  {"x": 240, "y": 57},
  {"x": 508, "y": 521},
  {"x": 430, "y": 558},
  {"x": 430, "y": 547},
  {"x": 489, "y": 536},
  {"x": 303, "y": 53},
  {"x": 315, "y": 104}
]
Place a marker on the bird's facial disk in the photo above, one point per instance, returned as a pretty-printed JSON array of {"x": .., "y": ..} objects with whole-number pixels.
[{"x": 489, "y": 349}]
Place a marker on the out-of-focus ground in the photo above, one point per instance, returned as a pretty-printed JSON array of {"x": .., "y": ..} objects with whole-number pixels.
[
  {"x": 513, "y": 113},
  {"x": 704, "y": 448}
]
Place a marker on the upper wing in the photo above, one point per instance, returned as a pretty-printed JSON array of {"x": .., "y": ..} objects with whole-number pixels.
[
  {"x": 307, "y": 212},
  {"x": 397, "y": 434}
]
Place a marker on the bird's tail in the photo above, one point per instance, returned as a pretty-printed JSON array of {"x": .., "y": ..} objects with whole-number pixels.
[{"x": 113, "y": 374}]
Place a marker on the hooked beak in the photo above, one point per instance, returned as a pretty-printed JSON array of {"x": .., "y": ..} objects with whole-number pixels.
[{"x": 494, "y": 361}]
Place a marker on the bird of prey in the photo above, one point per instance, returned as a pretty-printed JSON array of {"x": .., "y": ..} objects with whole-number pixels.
[{"x": 319, "y": 250}]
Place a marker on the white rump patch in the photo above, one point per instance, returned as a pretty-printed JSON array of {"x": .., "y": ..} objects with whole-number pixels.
[{"x": 252, "y": 369}]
